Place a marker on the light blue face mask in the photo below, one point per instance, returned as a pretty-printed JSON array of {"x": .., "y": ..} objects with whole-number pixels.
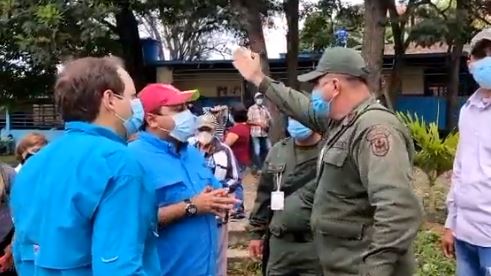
[
  {"x": 481, "y": 71},
  {"x": 320, "y": 106},
  {"x": 133, "y": 124},
  {"x": 185, "y": 126},
  {"x": 297, "y": 130}
]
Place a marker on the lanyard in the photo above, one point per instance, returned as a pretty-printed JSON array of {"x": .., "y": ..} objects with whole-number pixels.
[{"x": 278, "y": 178}]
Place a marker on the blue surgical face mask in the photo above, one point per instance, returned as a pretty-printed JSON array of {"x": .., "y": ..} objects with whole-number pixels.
[
  {"x": 481, "y": 71},
  {"x": 318, "y": 103},
  {"x": 133, "y": 123},
  {"x": 185, "y": 125},
  {"x": 297, "y": 130}
]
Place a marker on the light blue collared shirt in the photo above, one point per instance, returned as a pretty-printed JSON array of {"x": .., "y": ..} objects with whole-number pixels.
[
  {"x": 187, "y": 246},
  {"x": 80, "y": 207},
  {"x": 469, "y": 200}
]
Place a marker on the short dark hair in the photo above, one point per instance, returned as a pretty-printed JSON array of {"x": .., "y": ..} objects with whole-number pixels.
[
  {"x": 80, "y": 85},
  {"x": 481, "y": 49},
  {"x": 239, "y": 113}
]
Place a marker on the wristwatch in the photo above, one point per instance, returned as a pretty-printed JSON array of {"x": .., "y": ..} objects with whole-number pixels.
[{"x": 191, "y": 209}]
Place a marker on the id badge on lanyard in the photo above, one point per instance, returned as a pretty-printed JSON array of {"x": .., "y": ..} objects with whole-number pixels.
[{"x": 278, "y": 197}]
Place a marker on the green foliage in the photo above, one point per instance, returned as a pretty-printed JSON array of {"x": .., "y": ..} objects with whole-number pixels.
[
  {"x": 324, "y": 19},
  {"x": 429, "y": 256},
  {"x": 437, "y": 22},
  {"x": 435, "y": 155},
  {"x": 35, "y": 36},
  {"x": 48, "y": 31}
]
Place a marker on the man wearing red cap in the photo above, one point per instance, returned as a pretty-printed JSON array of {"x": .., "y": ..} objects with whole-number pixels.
[{"x": 188, "y": 194}]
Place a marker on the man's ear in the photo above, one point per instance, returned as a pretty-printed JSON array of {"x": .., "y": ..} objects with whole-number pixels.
[{"x": 107, "y": 100}]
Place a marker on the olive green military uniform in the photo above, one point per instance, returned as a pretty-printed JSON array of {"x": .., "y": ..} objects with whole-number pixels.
[
  {"x": 292, "y": 252},
  {"x": 365, "y": 215}
]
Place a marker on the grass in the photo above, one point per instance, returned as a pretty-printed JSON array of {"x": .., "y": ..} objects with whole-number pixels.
[{"x": 429, "y": 257}]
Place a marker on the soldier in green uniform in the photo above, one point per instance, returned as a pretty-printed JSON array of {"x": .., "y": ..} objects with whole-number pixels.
[
  {"x": 365, "y": 215},
  {"x": 287, "y": 186}
]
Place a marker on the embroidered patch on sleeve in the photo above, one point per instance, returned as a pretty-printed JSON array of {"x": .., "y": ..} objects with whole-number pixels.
[{"x": 378, "y": 137}]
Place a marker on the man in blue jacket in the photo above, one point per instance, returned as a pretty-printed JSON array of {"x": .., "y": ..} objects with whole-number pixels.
[
  {"x": 188, "y": 194},
  {"x": 80, "y": 206}
]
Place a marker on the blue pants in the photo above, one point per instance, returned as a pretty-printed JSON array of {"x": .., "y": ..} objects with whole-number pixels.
[
  {"x": 239, "y": 190},
  {"x": 472, "y": 260},
  {"x": 261, "y": 146}
]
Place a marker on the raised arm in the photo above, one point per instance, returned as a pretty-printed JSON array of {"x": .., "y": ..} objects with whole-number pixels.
[{"x": 292, "y": 102}]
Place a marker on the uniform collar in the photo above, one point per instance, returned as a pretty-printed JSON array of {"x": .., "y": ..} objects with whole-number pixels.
[
  {"x": 93, "y": 129},
  {"x": 347, "y": 120},
  {"x": 159, "y": 143}
]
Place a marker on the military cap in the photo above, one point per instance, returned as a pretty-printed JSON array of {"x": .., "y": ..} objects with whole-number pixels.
[{"x": 338, "y": 60}]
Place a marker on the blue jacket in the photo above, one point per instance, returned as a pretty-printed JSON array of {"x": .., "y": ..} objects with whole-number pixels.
[
  {"x": 80, "y": 207},
  {"x": 188, "y": 246}
]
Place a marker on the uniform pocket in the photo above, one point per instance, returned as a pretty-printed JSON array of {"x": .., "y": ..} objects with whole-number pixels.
[
  {"x": 335, "y": 157},
  {"x": 342, "y": 229},
  {"x": 340, "y": 245}
]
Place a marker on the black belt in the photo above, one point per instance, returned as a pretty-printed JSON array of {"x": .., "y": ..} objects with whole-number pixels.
[{"x": 300, "y": 237}]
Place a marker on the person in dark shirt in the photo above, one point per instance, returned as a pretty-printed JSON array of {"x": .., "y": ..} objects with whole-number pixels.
[{"x": 238, "y": 139}]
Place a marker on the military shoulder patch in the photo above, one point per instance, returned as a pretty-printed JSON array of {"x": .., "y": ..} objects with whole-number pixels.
[{"x": 378, "y": 137}]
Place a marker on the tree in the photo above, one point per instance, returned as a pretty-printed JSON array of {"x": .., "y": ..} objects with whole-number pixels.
[
  {"x": 252, "y": 24},
  {"x": 323, "y": 19},
  {"x": 373, "y": 40},
  {"x": 399, "y": 22},
  {"x": 189, "y": 29},
  {"x": 462, "y": 24},
  {"x": 292, "y": 40},
  {"x": 129, "y": 37},
  {"x": 452, "y": 23},
  {"x": 35, "y": 37}
]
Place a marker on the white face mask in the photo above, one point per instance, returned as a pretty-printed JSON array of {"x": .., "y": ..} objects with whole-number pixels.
[
  {"x": 259, "y": 101},
  {"x": 204, "y": 137}
]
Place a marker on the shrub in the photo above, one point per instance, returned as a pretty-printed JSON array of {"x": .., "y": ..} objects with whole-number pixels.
[{"x": 434, "y": 155}]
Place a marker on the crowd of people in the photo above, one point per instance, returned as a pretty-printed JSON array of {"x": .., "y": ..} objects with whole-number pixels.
[
  {"x": 139, "y": 185},
  {"x": 142, "y": 181}
]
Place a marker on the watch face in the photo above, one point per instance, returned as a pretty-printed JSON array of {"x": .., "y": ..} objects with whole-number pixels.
[{"x": 191, "y": 209}]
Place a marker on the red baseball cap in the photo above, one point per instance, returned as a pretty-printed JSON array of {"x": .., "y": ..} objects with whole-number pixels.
[{"x": 156, "y": 95}]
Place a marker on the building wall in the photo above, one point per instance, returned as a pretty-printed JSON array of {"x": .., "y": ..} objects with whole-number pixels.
[
  {"x": 412, "y": 80},
  {"x": 230, "y": 84},
  {"x": 210, "y": 84}
]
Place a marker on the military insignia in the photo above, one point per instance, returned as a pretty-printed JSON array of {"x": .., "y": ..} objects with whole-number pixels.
[{"x": 378, "y": 137}]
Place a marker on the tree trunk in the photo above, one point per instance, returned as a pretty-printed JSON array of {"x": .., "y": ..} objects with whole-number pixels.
[
  {"x": 395, "y": 84},
  {"x": 129, "y": 38},
  {"x": 373, "y": 41},
  {"x": 252, "y": 23},
  {"x": 292, "y": 40},
  {"x": 454, "y": 69}
]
